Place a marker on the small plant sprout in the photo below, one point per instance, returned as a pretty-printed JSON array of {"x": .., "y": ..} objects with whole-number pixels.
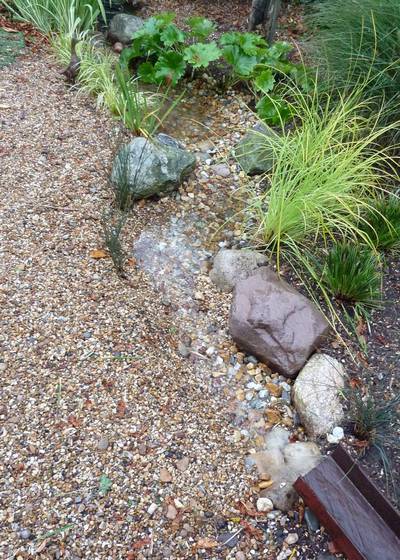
[
  {"x": 382, "y": 223},
  {"x": 112, "y": 228}
]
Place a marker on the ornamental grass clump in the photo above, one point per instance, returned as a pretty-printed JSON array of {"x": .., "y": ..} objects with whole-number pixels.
[
  {"x": 57, "y": 16},
  {"x": 325, "y": 170},
  {"x": 357, "y": 42},
  {"x": 351, "y": 273},
  {"x": 382, "y": 223}
]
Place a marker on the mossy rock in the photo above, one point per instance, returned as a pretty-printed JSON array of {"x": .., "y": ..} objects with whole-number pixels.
[{"x": 11, "y": 45}]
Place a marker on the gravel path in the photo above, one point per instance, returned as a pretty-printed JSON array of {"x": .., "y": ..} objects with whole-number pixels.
[
  {"x": 91, "y": 383},
  {"x": 124, "y": 426}
]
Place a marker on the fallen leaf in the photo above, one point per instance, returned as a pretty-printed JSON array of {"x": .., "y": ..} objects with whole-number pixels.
[
  {"x": 121, "y": 409},
  {"x": 137, "y": 545},
  {"x": 99, "y": 254},
  {"x": 362, "y": 359},
  {"x": 253, "y": 531},
  {"x": 206, "y": 543},
  {"x": 247, "y": 509},
  {"x": 355, "y": 382},
  {"x": 273, "y": 416},
  {"x": 131, "y": 261},
  {"x": 74, "y": 421}
]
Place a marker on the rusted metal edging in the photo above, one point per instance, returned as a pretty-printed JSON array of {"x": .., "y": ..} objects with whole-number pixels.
[{"x": 361, "y": 522}]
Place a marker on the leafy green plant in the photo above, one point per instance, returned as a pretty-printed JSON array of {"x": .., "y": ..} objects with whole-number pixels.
[
  {"x": 61, "y": 16},
  {"x": 381, "y": 223},
  {"x": 324, "y": 172},
  {"x": 358, "y": 42},
  {"x": 104, "y": 484},
  {"x": 376, "y": 423},
  {"x": 352, "y": 274},
  {"x": 166, "y": 51}
]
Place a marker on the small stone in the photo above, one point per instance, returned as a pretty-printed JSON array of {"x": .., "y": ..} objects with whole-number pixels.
[
  {"x": 165, "y": 476},
  {"x": 292, "y": 538},
  {"x": 25, "y": 534},
  {"x": 3, "y": 366},
  {"x": 240, "y": 555},
  {"x": 183, "y": 350},
  {"x": 183, "y": 464},
  {"x": 171, "y": 512},
  {"x": 336, "y": 435},
  {"x": 152, "y": 508},
  {"x": 311, "y": 520},
  {"x": 221, "y": 170},
  {"x": 264, "y": 505},
  {"x": 265, "y": 476},
  {"x": 265, "y": 484},
  {"x": 103, "y": 444},
  {"x": 240, "y": 395}
]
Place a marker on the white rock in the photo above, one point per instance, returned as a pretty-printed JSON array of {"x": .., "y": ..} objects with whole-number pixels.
[
  {"x": 292, "y": 538},
  {"x": 264, "y": 504},
  {"x": 152, "y": 508},
  {"x": 336, "y": 435},
  {"x": 231, "y": 265},
  {"x": 316, "y": 394}
]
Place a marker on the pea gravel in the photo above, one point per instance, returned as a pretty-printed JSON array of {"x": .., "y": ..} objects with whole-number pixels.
[{"x": 122, "y": 428}]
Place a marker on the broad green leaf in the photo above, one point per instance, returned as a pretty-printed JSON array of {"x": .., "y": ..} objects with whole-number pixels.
[
  {"x": 230, "y": 38},
  {"x": 303, "y": 77},
  {"x": 104, "y": 485},
  {"x": 170, "y": 67},
  {"x": 242, "y": 63},
  {"x": 265, "y": 81},
  {"x": 279, "y": 49},
  {"x": 147, "y": 73},
  {"x": 251, "y": 43},
  {"x": 172, "y": 35},
  {"x": 201, "y": 27},
  {"x": 200, "y": 55},
  {"x": 165, "y": 18},
  {"x": 273, "y": 110}
]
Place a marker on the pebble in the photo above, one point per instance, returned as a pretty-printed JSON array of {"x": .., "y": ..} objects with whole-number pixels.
[
  {"x": 265, "y": 484},
  {"x": 240, "y": 555},
  {"x": 183, "y": 464},
  {"x": 171, "y": 512},
  {"x": 183, "y": 350},
  {"x": 264, "y": 504},
  {"x": 25, "y": 534},
  {"x": 103, "y": 444},
  {"x": 227, "y": 539},
  {"x": 292, "y": 538},
  {"x": 221, "y": 170},
  {"x": 152, "y": 508},
  {"x": 165, "y": 475},
  {"x": 265, "y": 476}
]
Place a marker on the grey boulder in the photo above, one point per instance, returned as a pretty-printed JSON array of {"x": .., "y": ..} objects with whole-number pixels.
[
  {"x": 316, "y": 394},
  {"x": 231, "y": 265},
  {"x": 274, "y": 322},
  {"x": 147, "y": 167},
  {"x": 254, "y": 152},
  {"x": 122, "y": 27}
]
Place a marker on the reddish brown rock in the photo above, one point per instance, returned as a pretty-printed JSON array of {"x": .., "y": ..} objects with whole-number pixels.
[{"x": 273, "y": 321}]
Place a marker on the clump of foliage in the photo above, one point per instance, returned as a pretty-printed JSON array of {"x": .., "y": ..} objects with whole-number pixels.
[
  {"x": 351, "y": 273},
  {"x": 11, "y": 45},
  {"x": 376, "y": 423},
  {"x": 61, "y": 16},
  {"x": 165, "y": 53},
  {"x": 381, "y": 223},
  {"x": 101, "y": 75},
  {"x": 325, "y": 171},
  {"x": 357, "y": 42}
]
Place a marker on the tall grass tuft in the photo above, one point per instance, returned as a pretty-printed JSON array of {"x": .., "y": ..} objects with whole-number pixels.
[
  {"x": 62, "y": 16},
  {"x": 101, "y": 76},
  {"x": 352, "y": 274},
  {"x": 324, "y": 173},
  {"x": 376, "y": 422},
  {"x": 382, "y": 223},
  {"x": 357, "y": 42}
]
